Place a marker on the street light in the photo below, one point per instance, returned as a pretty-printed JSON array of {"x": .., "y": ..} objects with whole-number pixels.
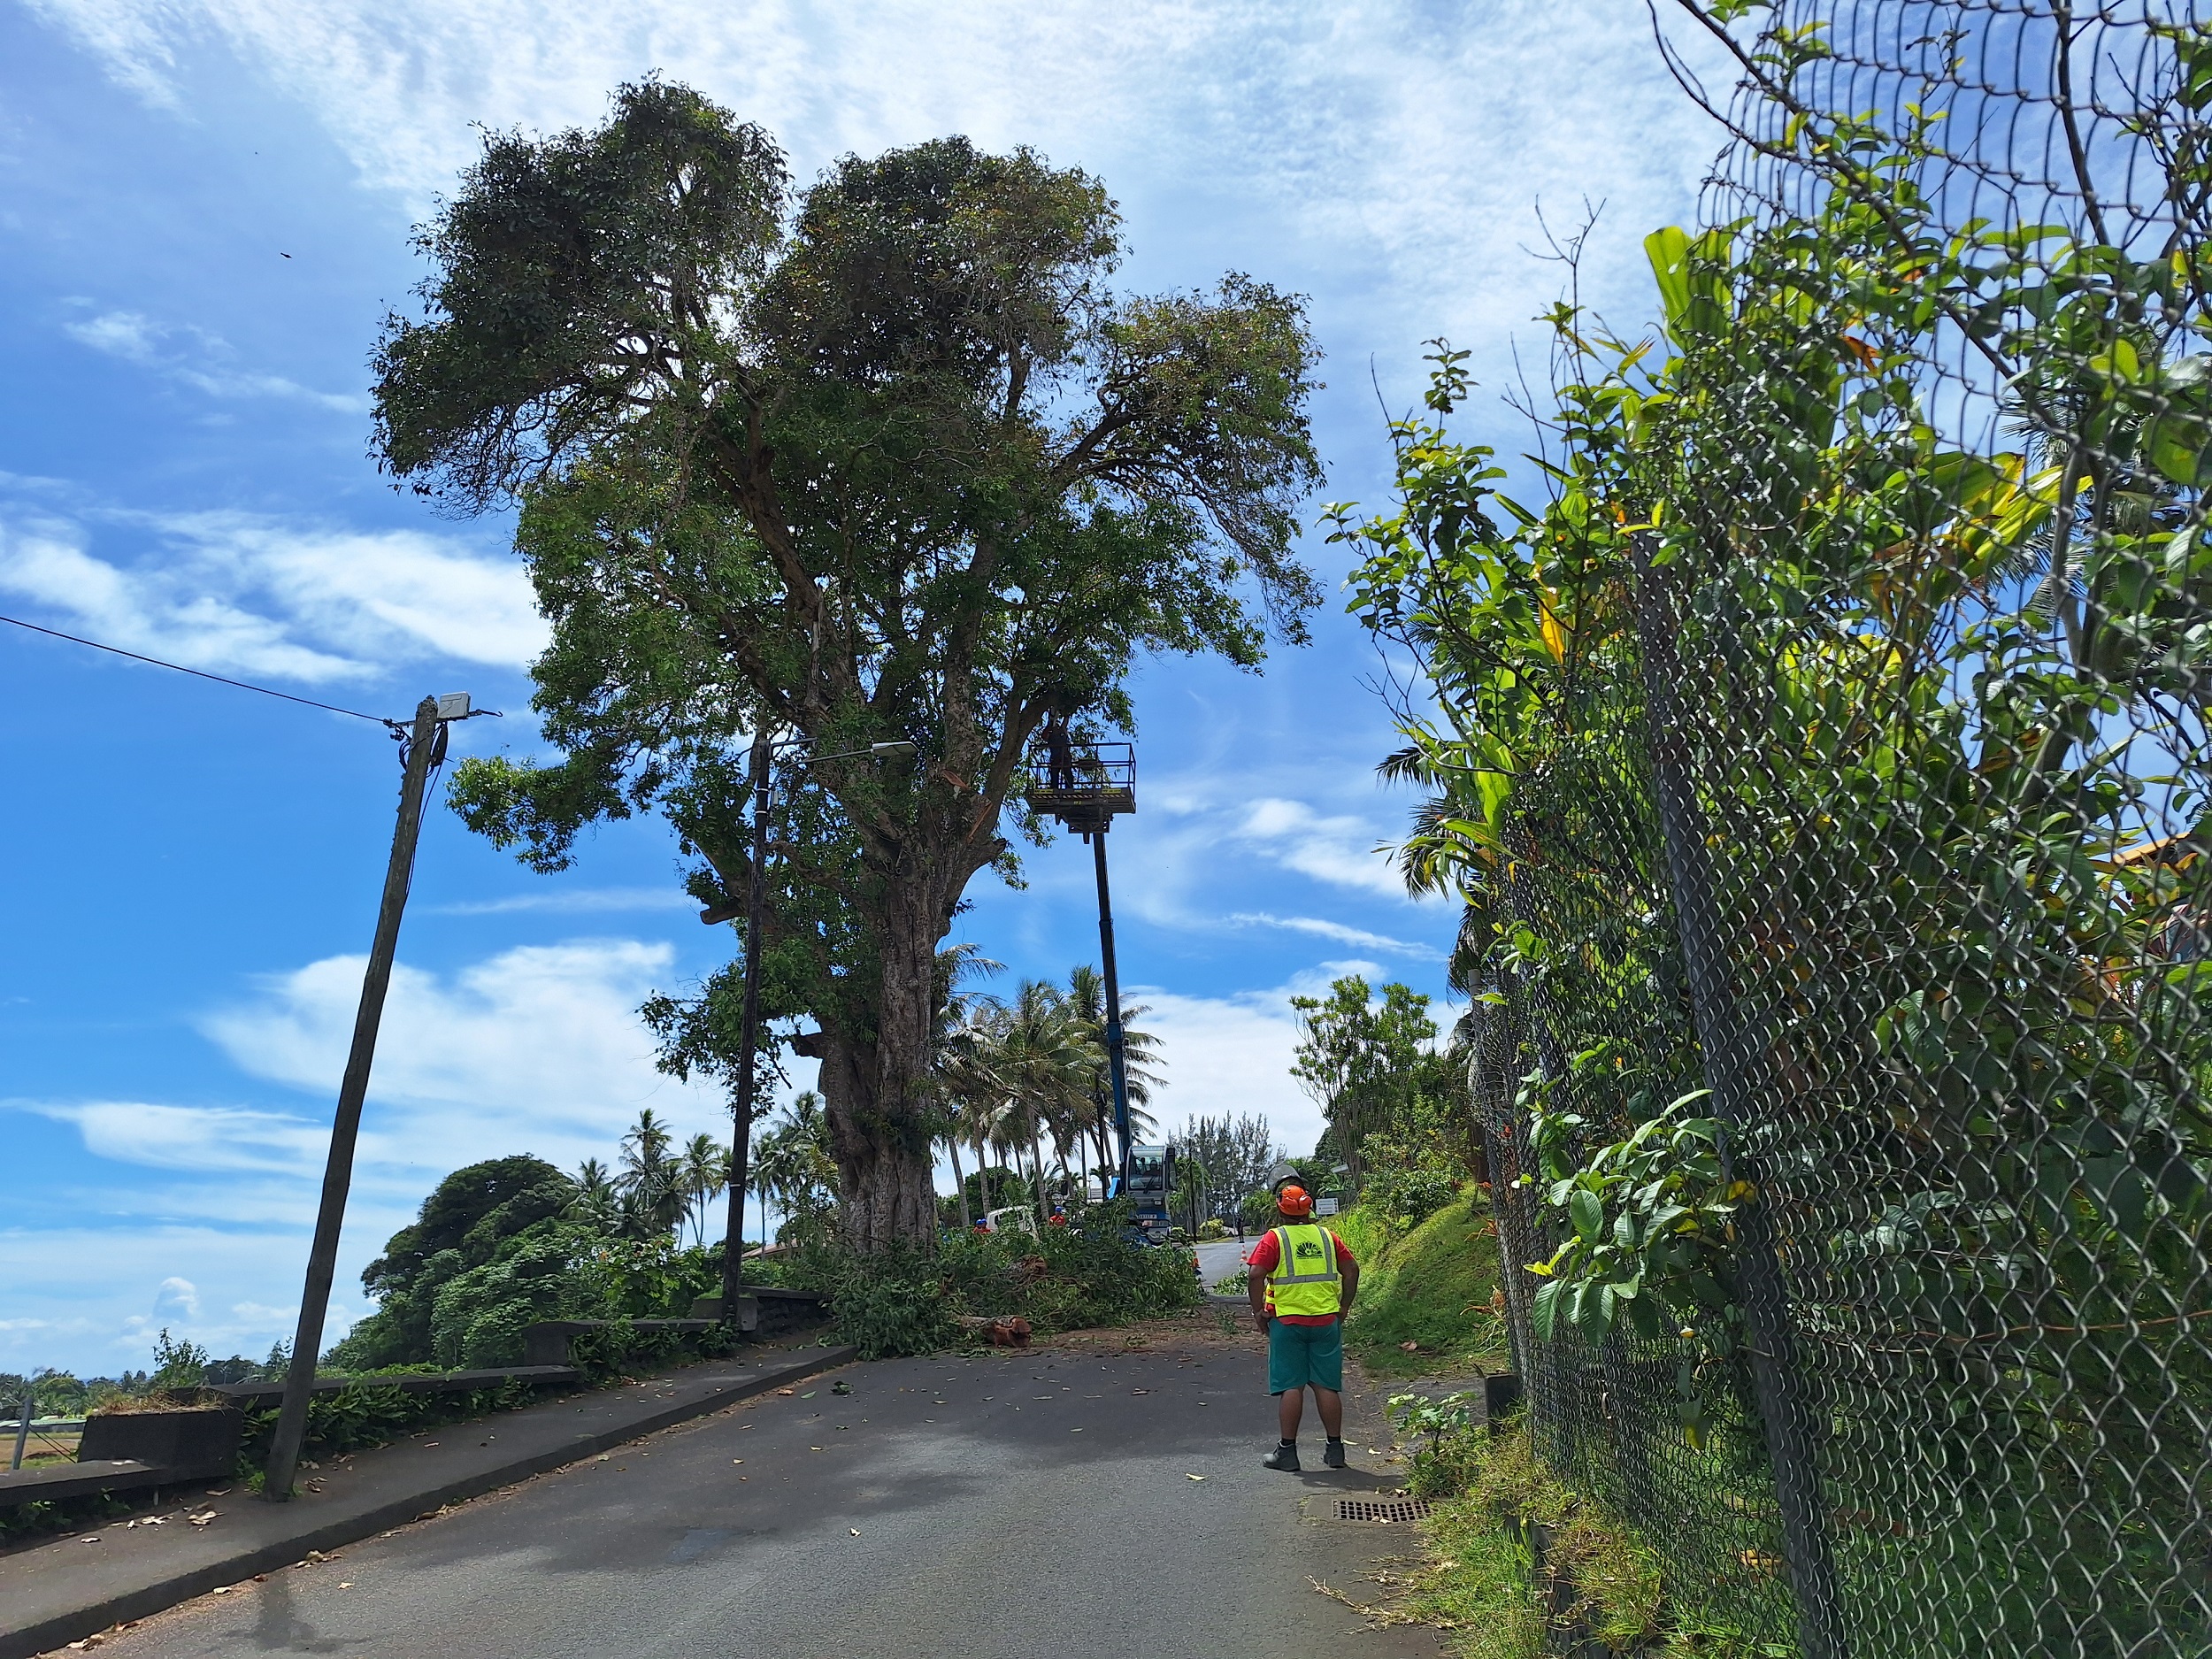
[{"x": 763, "y": 782}]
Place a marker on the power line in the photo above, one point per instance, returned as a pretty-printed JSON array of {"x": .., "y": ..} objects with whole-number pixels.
[{"x": 199, "y": 673}]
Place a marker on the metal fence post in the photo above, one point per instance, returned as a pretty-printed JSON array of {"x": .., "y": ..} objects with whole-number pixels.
[
  {"x": 1730, "y": 1067},
  {"x": 23, "y": 1428}
]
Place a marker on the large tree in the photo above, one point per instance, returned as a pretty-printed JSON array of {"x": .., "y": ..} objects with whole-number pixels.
[{"x": 887, "y": 462}]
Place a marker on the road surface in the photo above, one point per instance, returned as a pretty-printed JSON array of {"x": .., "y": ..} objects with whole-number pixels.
[
  {"x": 1011, "y": 1506},
  {"x": 1218, "y": 1260}
]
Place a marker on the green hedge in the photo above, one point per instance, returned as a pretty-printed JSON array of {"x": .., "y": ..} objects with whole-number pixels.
[{"x": 1087, "y": 1273}]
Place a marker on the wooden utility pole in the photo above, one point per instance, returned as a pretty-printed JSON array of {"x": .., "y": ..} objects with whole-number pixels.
[{"x": 425, "y": 742}]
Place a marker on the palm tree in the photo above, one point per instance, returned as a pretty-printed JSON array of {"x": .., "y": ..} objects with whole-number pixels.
[
  {"x": 795, "y": 1161},
  {"x": 598, "y": 1205},
  {"x": 959, "y": 1043},
  {"x": 651, "y": 1181},
  {"x": 1047, "y": 1064},
  {"x": 965, "y": 1087},
  {"x": 704, "y": 1175},
  {"x": 1140, "y": 1061}
]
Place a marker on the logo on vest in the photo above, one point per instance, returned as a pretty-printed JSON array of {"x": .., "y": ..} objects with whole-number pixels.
[{"x": 1307, "y": 1247}]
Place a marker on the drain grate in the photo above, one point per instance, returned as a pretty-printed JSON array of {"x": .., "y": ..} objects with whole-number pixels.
[{"x": 1385, "y": 1509}]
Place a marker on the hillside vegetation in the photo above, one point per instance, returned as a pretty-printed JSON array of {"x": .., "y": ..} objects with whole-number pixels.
[{"x": 1434, "y": 1284}]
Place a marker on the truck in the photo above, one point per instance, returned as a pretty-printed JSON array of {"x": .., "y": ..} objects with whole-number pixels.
[{"x": 1151, "y": 1180}]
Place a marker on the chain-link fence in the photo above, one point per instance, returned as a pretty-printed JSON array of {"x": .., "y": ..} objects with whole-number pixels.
[{"x": 1846, "y": 914}]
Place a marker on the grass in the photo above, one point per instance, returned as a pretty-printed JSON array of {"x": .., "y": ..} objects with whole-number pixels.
[
  {"x": 1481, "y": 1581},
  {"x": 1432, "y": 1286}
]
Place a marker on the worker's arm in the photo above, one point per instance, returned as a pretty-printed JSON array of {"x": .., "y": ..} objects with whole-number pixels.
[
  {"x": 1255, "y": 1287},
  {"x": 1348, "y": 1264}
]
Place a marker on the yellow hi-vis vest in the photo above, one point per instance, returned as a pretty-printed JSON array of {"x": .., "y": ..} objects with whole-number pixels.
[{"x": 1305, "y": 1280}]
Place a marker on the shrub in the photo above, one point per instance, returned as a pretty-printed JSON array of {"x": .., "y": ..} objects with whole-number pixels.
[
  {"x": 894, "y": 1303},
  {"x": 1088, "y": 1273},
  {"x": 454, "y": 1315},
  {"x": 1404, "y": 1196},
  {"x": 177, "y": 1364},
  {"x": 362, "y": 1415}
]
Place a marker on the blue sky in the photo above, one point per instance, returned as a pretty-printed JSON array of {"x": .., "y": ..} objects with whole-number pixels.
[{"x": 203, "y": 214}]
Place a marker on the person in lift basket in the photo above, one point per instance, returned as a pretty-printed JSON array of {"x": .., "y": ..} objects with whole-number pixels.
[{"x": 1302, "y": 1279}]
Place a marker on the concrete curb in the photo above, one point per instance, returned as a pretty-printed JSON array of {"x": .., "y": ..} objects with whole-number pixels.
[{"x": 57, "y": 1630}]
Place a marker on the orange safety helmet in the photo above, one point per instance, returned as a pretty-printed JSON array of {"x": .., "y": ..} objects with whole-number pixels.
[{"x": 1295, "y": 1199}]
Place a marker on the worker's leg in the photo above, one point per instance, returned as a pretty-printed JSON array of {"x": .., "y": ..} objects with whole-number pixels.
[
  {"x": 1286, "y": 1373},
  {"x": 1331, "y": 1407},
  {"x": 1326, "y": 1368}
]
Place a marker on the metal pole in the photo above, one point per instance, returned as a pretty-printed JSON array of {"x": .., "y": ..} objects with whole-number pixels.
[
  {"x": 1115, "y": 1061},
  {"x": 322, "y": 1258},
  {"x": 1730, "y": 1068},
  {"x": 763, "y": 779},
  {"x": 23, "y": 1428}
]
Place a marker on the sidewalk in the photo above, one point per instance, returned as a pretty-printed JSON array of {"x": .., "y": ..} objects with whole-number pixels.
[{"x": 66, "y": 1589}]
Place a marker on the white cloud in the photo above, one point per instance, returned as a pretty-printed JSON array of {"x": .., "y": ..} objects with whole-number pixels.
[
  {"x": 574, "y": 900},
  {"x": 1402, "y": 144},
  {"x": 1338, "y": 932},
  {"x": 90, "y": 1299},
  {"x": 1340, "y": 849},
  {"x": 246, "y": 593},
  {"x": 136, "y": 338},
  {"x": 538, "y": 1049},
  {"x": 124, "y": 334},
  {"x": 1233, "y": 1054},
  {"x": 200, "y": 1138}
]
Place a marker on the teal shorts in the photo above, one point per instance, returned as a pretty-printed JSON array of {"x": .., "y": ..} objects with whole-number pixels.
[{"x": 1302, "y": 1353}]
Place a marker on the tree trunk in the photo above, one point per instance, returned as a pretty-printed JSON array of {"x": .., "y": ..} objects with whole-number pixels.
[
  {"x": 959, "y": 1181},
  {"x": 1037, "y": 1163}
]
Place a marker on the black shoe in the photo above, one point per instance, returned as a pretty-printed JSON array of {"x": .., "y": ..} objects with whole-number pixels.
[
  {"x": 1332, "y": 1455},
  {"x": 1284, "y": 1457}
]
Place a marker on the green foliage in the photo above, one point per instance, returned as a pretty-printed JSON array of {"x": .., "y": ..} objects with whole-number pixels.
[
  {"x": 470, "y": 1219},
  {"x": 1647, "y": 1223},
  {"x": 1369, "y": 1064},
  {"x": 1520, "y": 1563},
  {"x": 1227, "y": 1157},
  {"x": 894, "y": 1302},
  {"x": 1084, "y": 1274},
  {"x": 1932, "y": 717},
  {"x": 364, "y": 1414},
  {"x": 1258, "y": 1209},
  {"x": 887, "y": 461},
  {"x": 1435, "y": 1287},
  {"x": 503, "y": 1244},
  {"x": 1446, "y": 1416},
  {"x": 1405, "y": 1185},
  {"x": 176, "y": 1364}
]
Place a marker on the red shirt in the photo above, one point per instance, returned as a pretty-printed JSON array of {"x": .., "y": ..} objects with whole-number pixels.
[{"x": 1268, "y": 1254}]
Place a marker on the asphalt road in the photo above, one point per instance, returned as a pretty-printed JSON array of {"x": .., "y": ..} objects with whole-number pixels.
[
  {"x": 1218, "y": 1260},
  {"x": 1012, "y": 1506}
]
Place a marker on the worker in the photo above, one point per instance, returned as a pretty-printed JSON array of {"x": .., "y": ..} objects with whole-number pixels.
[{"x": 1302, "y": 1279}]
